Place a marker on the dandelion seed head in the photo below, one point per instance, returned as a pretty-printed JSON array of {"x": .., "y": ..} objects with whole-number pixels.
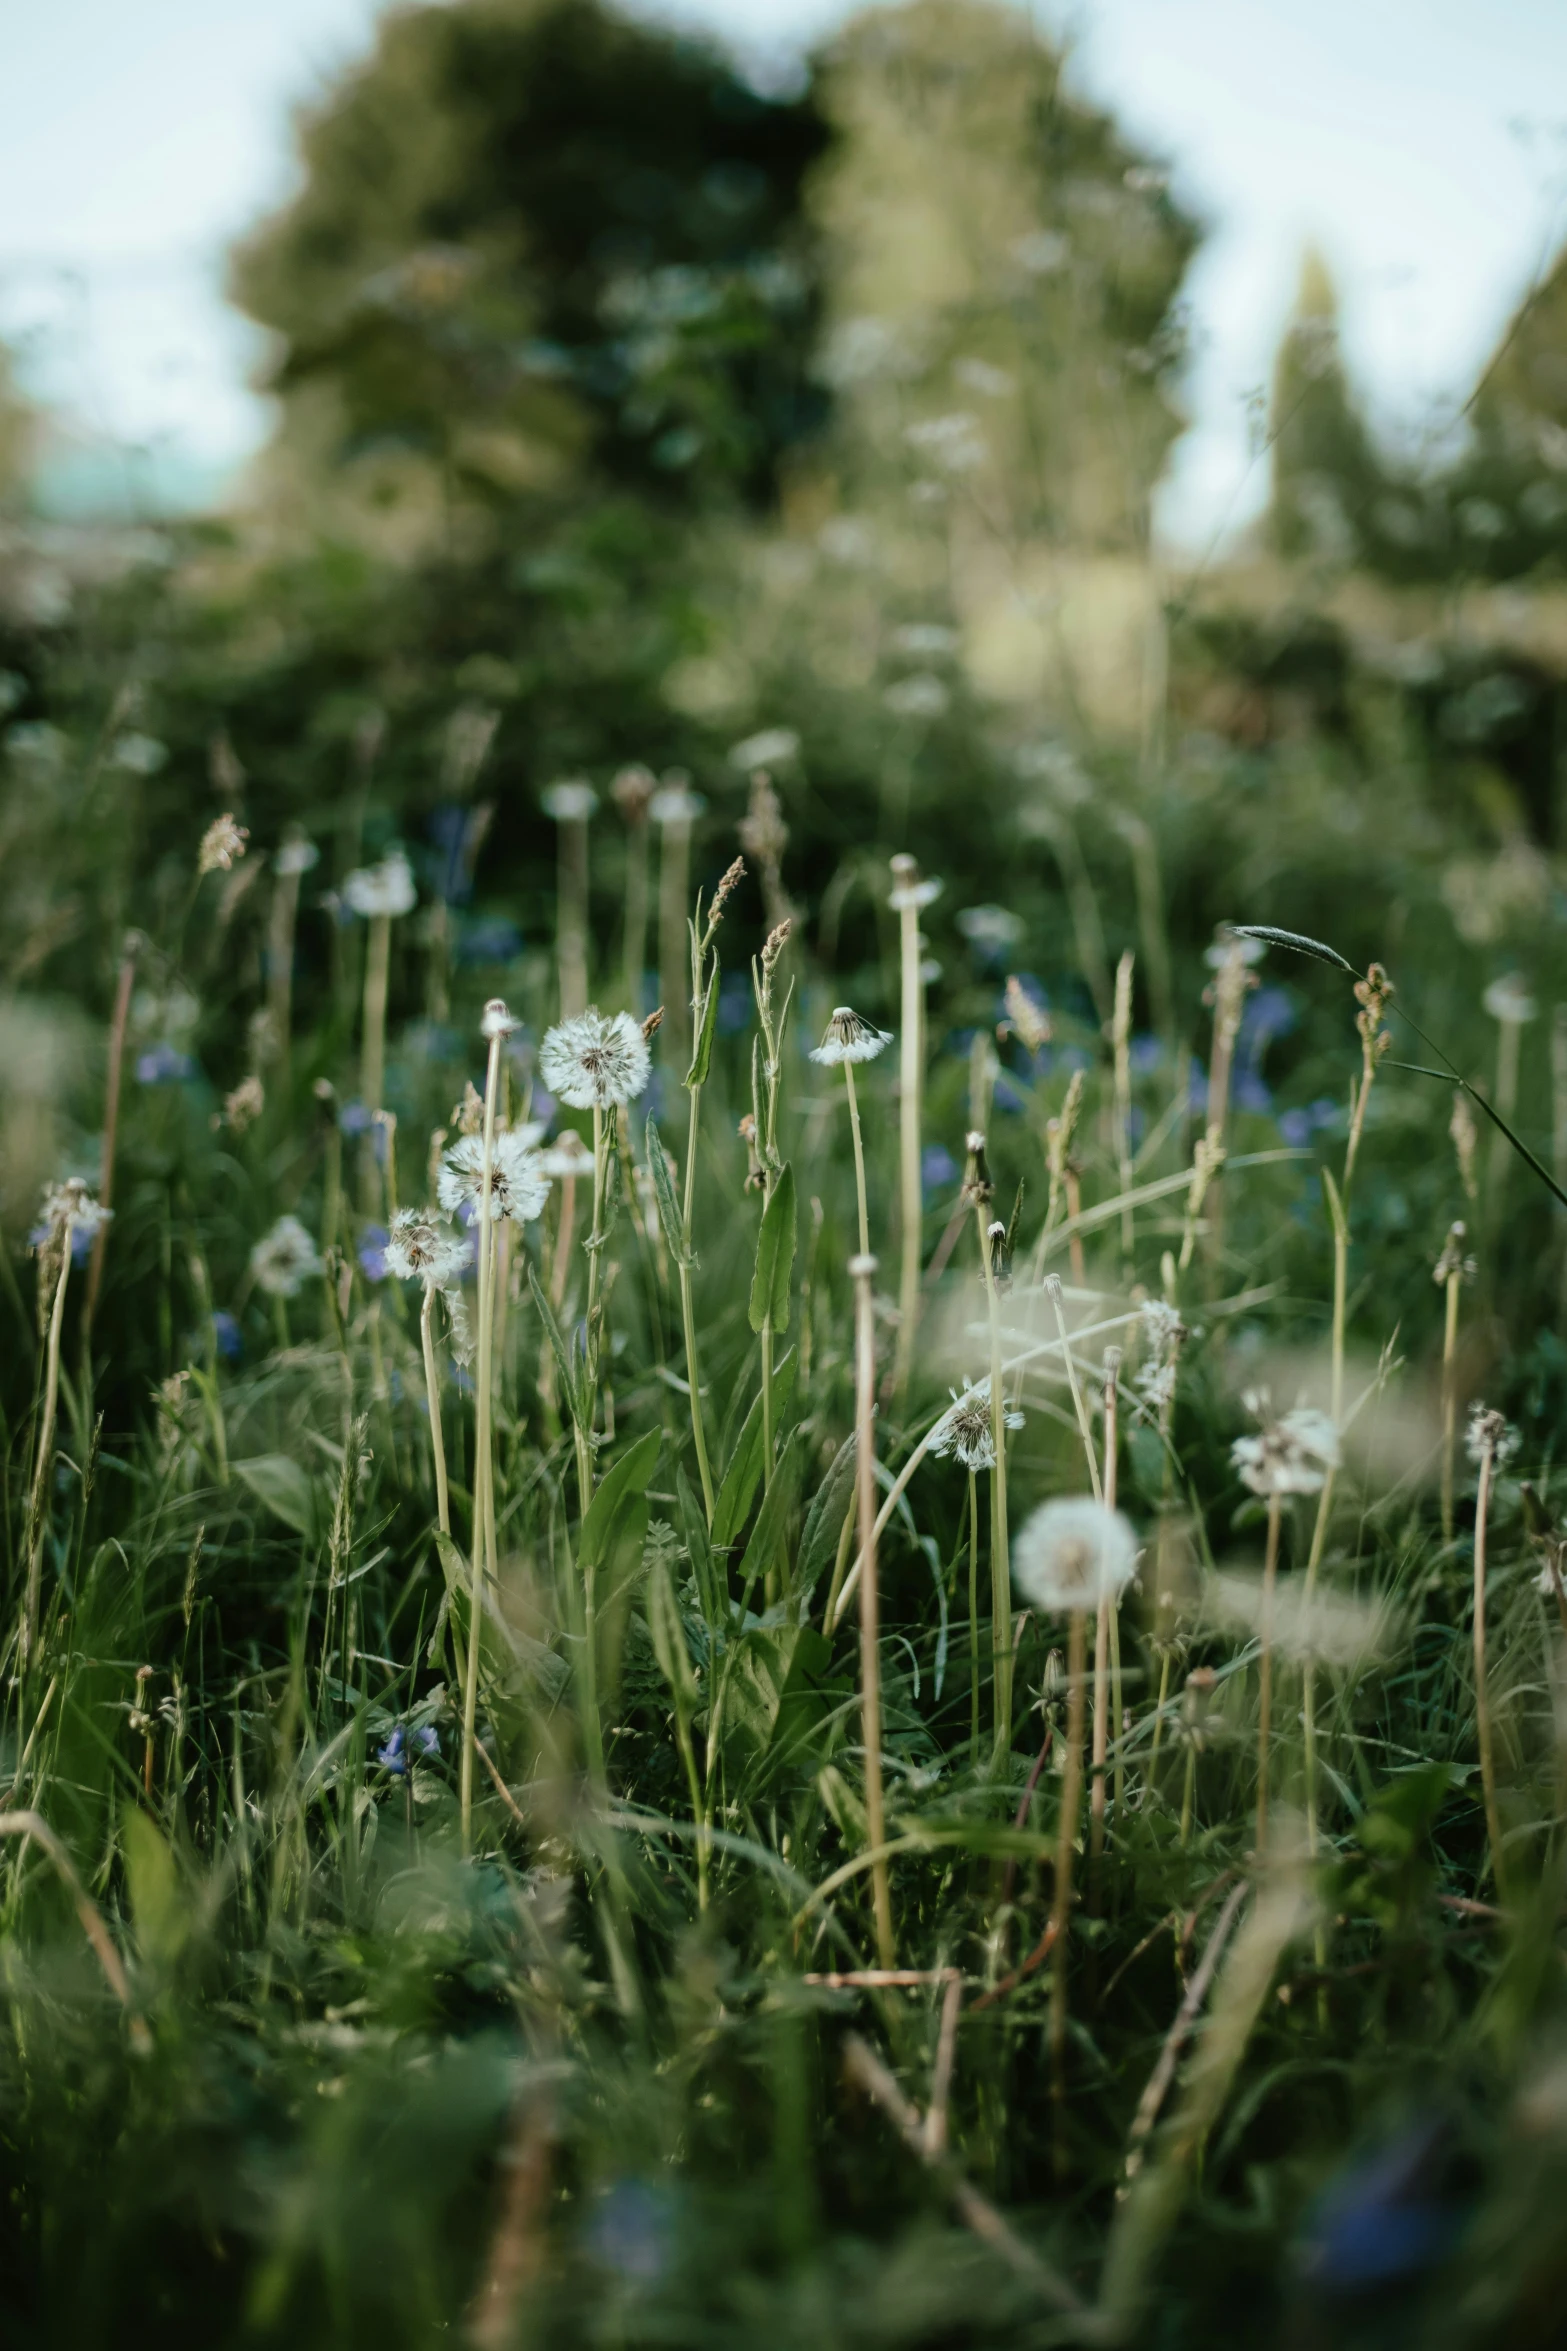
[
  {"x": 848, "y": 1038},
  {"x": 1490, "y": 1432},
  {"x": 1508, "y": 1000},
  {"x": 284, "y": 1259},
  {"x": 965, "y": 1428},
  {"x": 497, "y": 1020},
  {"x": 1288, "y": 1456},
  {"x": 421, "y": 1248},
  {"x": 570, "y": 802},
  {"x": 908, "y": 890},
  {"x": 595, "y": 1063},
  {"x": 567, "y": 1158},
  {"x": 387, "y": 888},
  {"x": 296, "y": 856},
  {"x": 676, "y": 804},
  {"x": 519, "y": 1186},
  {"x": 1071, "y": 1554},
  {"x": 771, "y": 747},
  {"x": 632, "y": 792}
]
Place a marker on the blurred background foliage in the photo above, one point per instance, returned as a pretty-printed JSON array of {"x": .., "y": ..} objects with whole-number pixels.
[{"x": 629, "y": 412}]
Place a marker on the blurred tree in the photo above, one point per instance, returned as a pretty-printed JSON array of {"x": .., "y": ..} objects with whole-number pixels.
[
  {"x": 1327, "y": 476},
  {"x": 536, "y": 237}
]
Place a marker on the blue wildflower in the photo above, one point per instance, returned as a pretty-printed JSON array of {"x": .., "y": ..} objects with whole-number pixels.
[
  {"x": 406, "y": 1747},
  {"x": 734, "y": 1003},
  {"x": 1146, "y": 1054},
  {"x": 632, "y": 2231},
  {"x": 354, "y": 1118},
  {"x": 163, "y": 1065},
  {"x": 372, "y": 1252},
  {"x": 491, "y": 939},
  {"x": 938, "y": 1168},
  {"x": 1385, "y": 2217},
  {"x": 226, "y": 1336}
]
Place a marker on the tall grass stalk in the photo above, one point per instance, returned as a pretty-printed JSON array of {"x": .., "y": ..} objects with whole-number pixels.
[
  {"x": 44, "y": 1456},
  {"x": 1112, "y": 1363},
  {"x": 1061, "y": 1899},
  {"x": 483, "y": 1551},
  {"x": 862, "y": 1272},
  {"x": 1270, "y": 1570},
  {"x": 907, "y": 897},
  {"x": 118, "y": 1023},
  {"x": 1489, "y": 1433}
]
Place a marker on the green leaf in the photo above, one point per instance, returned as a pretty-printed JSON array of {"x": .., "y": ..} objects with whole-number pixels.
[
  {"x": 571, "y": 1385},
  {"x": 1335, "y": 1206},
  {"x": 757, "y": 1676},
  {"x": 289, "y": 1492},
  {"x": 508, "y": 1659},
  {"x": 773, "y": 1517},
  {"x": 743, "y": 1476},
  {"x": 824, "y": 1520},
  {"x": 775, "y": 1257},
  {"x": 667, "y": 1631},
  {"x": 668, "y": 1206},
  {"x": 625, "y": 1482},
  {"x": 702, "y": 1052},
  {"x": 699, "y": 1550},
  {"x": 161, "y": 1914}
]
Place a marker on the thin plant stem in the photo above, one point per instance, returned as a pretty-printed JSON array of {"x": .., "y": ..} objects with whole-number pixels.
[
  {"x": 973, "y": 1618},
  {"x": 863, "y": 1271},
  {"x": 1000, "y": 1561},
  {"x": 911, "y": 1073},
  {"x": 1449, "y": 1399},
  {"x": 281, "y": 927},
  {"x": 44, "y": 1456},
  {"x": 1270, "y": 1570},
  {"x": 1101, "y": 1727},
  {"x": 432, "y": 1385},
  {"x": 1493, "y": 1822},
  {"x": 688, "y": 1308},
  {"x": 1121, "y": 1042},
  {"x": 635, "y": 944},
  {"x": 483, "y": 1552},
  {"x": 674, "y": 869},
  {"x": 1053, "y": 1293},
  {"x": 572, "y": 916},
  {"x": 372, "y": 1064},
  {"x": 1112, "y": 1448},
  {"x": 859, "y": 1161},
  {"x": 1061, "y": 1904}
]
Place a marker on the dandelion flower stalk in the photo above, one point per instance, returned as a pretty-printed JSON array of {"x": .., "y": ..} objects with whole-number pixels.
[
  {"x": 1490, "y": 1442},
  {"x": 1450, "y": 1270},
  {"x": 497, "y": 1022},
  {"x": 380, "y": 893},
  {"x": 1121, "y": 1048},
  {"x": 1107, "y": 1650},
  {"x": 909, "y": 895},
  {"x": 862, "y": 1271},
  {"x": 293, "y": 861},
  {"x": 766, "y": 1074},
  {"x": 979, "y": 1189},
  {"x": 1070, "y": 1555},
  {"x": 1295, "y": 1455},
  {"x": 848, "y": 1040},
  {"x": 632, "y": 792},
  {"x": 674, "y": 809}
]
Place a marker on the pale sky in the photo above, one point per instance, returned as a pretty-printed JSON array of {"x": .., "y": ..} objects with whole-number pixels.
[{"x": 1421, "y": 143}]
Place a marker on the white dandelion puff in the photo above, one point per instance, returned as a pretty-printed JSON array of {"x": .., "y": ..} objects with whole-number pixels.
[
  {"x": 570, "y": 802},
  {"x": 1289, "y": 1456},
  {"x": 519, "y": 1186},
  {"x": 296, "y": 856},
  {"x": 284, "y": 1259},
  {"x": 1508, "y": 1000},
  {"x": 849, "y": 1038},
  {"x": 1073, "y": 1553},
  {"x": 567, "y": 1158},
  {"x": 420, "y": 1248},
  {"x": 965, "y": 1427},
  {"x": 387, "y": 888},
  {"x": 1490, "y": 1432},
  {"x": 497, "y": 1020},
  {"x": 594, "y": 1062},
  {"x": 676, "y": 804}
]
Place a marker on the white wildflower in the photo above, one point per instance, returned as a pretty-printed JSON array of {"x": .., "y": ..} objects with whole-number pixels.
[
  {"x": 965, "y": 1427},
  {"x": 952, "y": 443},
  {"x": 907, "y": 888},
  {"x": 989, "y": 927},
  {"x": 421, "y": 1248},
  {"x": 519, "y": 1186},
  {"x": 921, "y": 696},
  {"x": 849, "y": 1038},
  {"x": 1041, "y": 252},
  {"x": 221, "y": 843},
  {"x": 284, "y": 1259},
  {"x": 1071, "y": 1554},
  {"x": 1288, "y": 1456},
  {"x": 592, "y": 1062},
  {"x": 497, "y": 1020},
  {"x": 138, "y": 755},
  {"x": 925, "y": 640},
  {"x": 387, "y": 888},
  {"x": 570, "y": 802}
]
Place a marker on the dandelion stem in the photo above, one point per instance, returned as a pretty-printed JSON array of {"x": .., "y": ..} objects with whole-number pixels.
[
  {"x": 863, "y": 1270},
  {"x": 572, "y": 915},
  {"x": 1112, "y": 1445},
  {"x": 1000, "y": 1565},
  {"x": 859, "y": 1160},
  {"x": 1449, "y": 1399},
  {"x": 443, "y": 1508},
  {"x": 483, "y": 1548},
  {"x": 973, "y": 1618},
  {"x": 1493, "y": 1824},
  {"x": 911, "y": 1079},
  {"x": 372, "y": 1060},
  {"x": 1270, "y": 1570},
  {"x": 1061, "y": 1905}
]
